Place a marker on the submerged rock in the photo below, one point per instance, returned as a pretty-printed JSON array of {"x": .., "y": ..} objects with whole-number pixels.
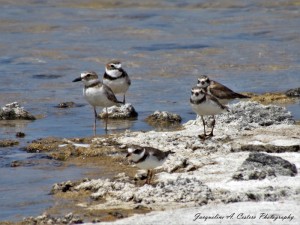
[
  {"x": 63, "y": 105},
  {"x": 13, "y": 111},
  {"x": 163, "y": 118},
  {"x": 126, "y": 111},
  {"x": 258, "y": 166},
  {"x": 20, "y": 135},
  {"x": 269, "y": 98},
  {"x": 295, "y": 92},
  {"x": 8, "y": 143}
]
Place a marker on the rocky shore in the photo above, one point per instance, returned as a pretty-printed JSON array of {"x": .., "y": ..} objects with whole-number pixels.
[{"x": 251, "y": 165}]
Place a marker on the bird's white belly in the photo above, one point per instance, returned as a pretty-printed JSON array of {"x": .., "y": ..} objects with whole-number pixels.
[
  {"x": 150, "y": 163},
  {"x": 207, "y": 108},
  {"x": 118, "y": 86},
  {"x": 97, "y": 97}
]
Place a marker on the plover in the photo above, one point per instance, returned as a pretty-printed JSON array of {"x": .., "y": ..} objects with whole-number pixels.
[
  {"x": 205, "y": 104},
  {"x": 116, "y": 78},
  {"x": 221, "y": 92},
  {"x": 147, "y": 158},
  {"x": 96, "y": 93}
]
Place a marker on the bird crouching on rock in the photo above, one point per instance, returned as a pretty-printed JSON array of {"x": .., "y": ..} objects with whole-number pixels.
[
  {"x": 116, "y": 78},
  {"x": 147, "y": 158}
]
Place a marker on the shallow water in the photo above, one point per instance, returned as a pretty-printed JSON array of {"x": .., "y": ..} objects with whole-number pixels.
[{"x": 164, "y": 46}]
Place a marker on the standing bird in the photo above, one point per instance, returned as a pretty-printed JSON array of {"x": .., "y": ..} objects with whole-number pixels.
[
  {"x": 116, "y": 78},
  {"x": 205, "y": 104},
  {"x": 147, "y": 158},
  {"x": 97, "y": 93},
  {"x": 221, "y": 92}
]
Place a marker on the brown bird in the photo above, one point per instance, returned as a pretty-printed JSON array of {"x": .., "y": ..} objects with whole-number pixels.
[{"x": 221, "y": 92}]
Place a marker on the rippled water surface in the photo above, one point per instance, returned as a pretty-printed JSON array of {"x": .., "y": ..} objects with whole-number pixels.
[{"x": 250, "y": 46}]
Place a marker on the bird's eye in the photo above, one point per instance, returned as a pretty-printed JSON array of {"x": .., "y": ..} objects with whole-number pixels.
[
  {"x": 112, "y": 66},
  {"x": 196, "y": 93},
  {"x": 88, "y": 75}
]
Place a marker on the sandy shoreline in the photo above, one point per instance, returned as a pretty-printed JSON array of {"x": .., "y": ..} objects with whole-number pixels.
[
  {"x": 215, "y": 176},
  {"x": 248, "y": 213},
  {"x": 200, "y": 174}
]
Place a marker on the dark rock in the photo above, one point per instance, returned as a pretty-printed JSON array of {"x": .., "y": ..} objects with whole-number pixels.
[
  {"x": 117, "y": 214},
  {"x": 15, "y": 164},
  {"x": 295, "y": 92},
  {"x": 63, "y": 187},
  {"x": 268, "y": 148},
  {"x": 46, "y": 76},
  {"x": 126, "y": 111},
  {"x": 258, "y": 166},
  {"x": 14, "y": 111},
  {"x": 20, "y": 134},
  {"x": 63, "y": 105}
]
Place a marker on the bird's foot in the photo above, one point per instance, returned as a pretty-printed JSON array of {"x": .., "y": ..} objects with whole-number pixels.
[
  {"x": 205, "y": 136},
  {"x": 210, "y": 135},
  {"x": 202, "y": 136}
]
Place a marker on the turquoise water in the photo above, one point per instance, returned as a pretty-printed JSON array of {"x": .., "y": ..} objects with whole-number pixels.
[{"x": 164, "y": 46}]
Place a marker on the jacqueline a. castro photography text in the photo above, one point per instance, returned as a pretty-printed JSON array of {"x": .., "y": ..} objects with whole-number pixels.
[{"x": 244, "y": 216}]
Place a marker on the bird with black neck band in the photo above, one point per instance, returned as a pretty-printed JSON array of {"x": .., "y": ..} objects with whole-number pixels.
[
  {"x": 97, "y": 94},
  {"x": 205, "y": 104},
  {"x": 147, "y": 158},
  {"x": 116, "y": 78}
]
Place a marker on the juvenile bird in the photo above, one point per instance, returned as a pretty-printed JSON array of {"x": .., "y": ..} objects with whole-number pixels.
[{"x": 218, "y": 90}]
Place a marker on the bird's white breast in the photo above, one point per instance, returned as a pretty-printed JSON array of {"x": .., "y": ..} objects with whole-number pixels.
[
  {"x": 150, "y": 163},
  {"x": 96, "y": 96},
  {"x": 119, "y": 85},
  {"x": 207, "y": 108}
]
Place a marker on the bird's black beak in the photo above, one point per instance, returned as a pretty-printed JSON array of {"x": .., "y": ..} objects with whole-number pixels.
[
  {"x": 77, "y": 79},
  {"x": 128, "y": 154}
]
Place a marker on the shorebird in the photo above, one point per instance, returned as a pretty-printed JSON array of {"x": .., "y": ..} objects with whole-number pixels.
[
  {"x": 205, "y": 104},
  {"x": 147, "y": 158},
  {"x": 116, "y": 78},
  {"x": 97, "y": 94},
  {"x": 221, "y": 92}
]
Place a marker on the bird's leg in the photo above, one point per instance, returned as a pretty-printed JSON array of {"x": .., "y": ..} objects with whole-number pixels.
[
  {"x": 151, "y": 176},
  {"x": 147, "y": 178},
  {"x": 204, "y": 131},
  {"x": 106, "y": 119},
  {"x": 95, "y": 120},
  {"x": 124, "y": 99},
  {"x": 213, "y": 126}
]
